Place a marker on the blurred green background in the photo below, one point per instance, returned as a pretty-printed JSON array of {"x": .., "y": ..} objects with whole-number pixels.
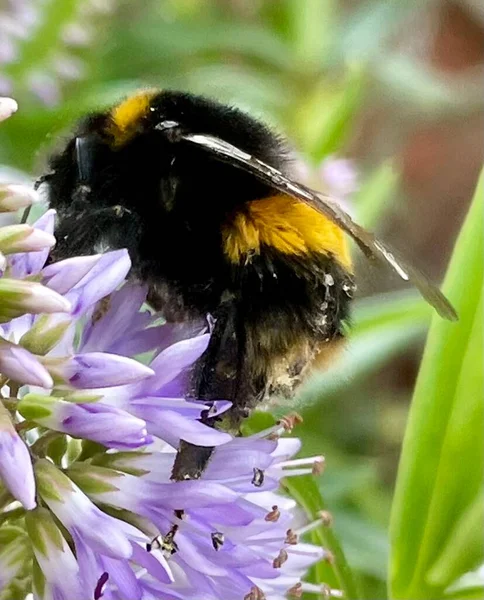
[{"x": 393, "y": 87}]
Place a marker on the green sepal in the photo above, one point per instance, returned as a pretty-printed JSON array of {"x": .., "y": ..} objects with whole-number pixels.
[
  {"x": 40, "y": 527},
  {"x": 120, "y": 462},
  {"x": 93, "y": 480},
  {"x": 10, "y": 533},
  {"x": 40, "y": 339},
  {"x": 52, "y": 484},
  {"x": 35, "y": 407}
]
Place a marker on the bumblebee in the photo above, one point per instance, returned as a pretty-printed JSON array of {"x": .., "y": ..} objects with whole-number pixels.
[{"x": 203, "y": 198}]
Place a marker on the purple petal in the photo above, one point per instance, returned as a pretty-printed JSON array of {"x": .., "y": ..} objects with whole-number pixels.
[
  {"x": 100, "y": 370},
  {"x": 108, "y": 425},
  {"x": 157, "y": 566},
  {"x": 176, "y": 332},
  {"x": 185, "y": 408},
  {"x": 239, "y": 463},
  {"x": 64, "y": 275},
  {"x": 172, "y": 427},
  {"x": 121, "y": 574},
  {"x": 90, "y": 566},
  {"x": 109, "y": 272},
  {"x": 22, "y": 366},
  {"x": 177, "y": 387},
  {"x": 175, "y": 359},
  {"x": 137, "y": 342},
  {"x": 16, "y": 468},
  {"x": 194, "y": 494},
  {"x": 232, "y": 514},
  {"x": 192, "y": 555},
  {"x": 119, "y": 329}
]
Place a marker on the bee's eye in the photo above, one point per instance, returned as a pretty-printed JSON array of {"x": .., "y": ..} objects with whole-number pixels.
[{"x": 84, "y": 151}]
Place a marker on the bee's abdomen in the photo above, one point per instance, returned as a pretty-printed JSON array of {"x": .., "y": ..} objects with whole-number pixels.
[
  {"x": 289, "y": 288},
  {"x": 293, "y": 306}
]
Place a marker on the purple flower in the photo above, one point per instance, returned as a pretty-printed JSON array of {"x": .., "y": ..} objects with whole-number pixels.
[
  {"x": 103, "y": 428},
  {"x": 228, "y": 535},
  {"x": 340, "y": 176},
  {"x": 15, "y": 463}
]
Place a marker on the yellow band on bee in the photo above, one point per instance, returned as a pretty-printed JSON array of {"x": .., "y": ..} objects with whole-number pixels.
[{"x": 287, "y": 225}]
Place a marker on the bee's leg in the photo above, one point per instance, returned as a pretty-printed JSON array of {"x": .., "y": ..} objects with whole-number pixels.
[
  {"x": 190, "y": 461},
  {"x": 210, "y": 382}
]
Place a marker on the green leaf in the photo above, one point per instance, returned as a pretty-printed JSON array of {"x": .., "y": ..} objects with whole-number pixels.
[
  {"x": 440, "y": 475},
  {"x": 463, "y": 552}
]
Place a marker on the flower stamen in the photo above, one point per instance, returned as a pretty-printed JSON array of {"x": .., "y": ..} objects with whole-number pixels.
[
  {"x": 258, "y": 478},
  {"x": 325, "y": 519},
  {"x": 280, "y": 559},
  {"x": 273, "y": 515},
  {"x": 292, "y": 537},
  {"x": 315, "y": 466},
  {"x": 164, "y": 543},
  {"x": 284, "y": 425},
  {"x": 100, "y": 586},
  {"x": 324, "y": 591},
  {"x": 255, "y": 594},
  {"x": 218, "y": 539}
]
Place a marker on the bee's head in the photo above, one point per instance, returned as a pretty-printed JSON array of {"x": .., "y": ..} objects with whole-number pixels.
[
  {"x": 127, "y": 171},
  {"x": 84, "y": 186}
]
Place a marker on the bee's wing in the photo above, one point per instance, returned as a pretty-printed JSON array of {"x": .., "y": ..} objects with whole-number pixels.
[{"x": 369, "y": 244}]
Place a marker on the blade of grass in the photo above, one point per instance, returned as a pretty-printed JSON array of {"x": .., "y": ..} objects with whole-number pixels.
[{"x": 440, "y": 472}]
